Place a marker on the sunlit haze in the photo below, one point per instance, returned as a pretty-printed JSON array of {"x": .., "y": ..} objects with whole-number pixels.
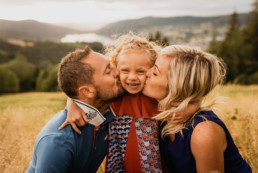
[{"x": 101, "y": 12}]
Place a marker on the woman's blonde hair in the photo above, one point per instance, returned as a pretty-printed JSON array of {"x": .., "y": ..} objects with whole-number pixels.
[
  {"x": 132, "y": 42},
  {"x": 193, "y": 74}
]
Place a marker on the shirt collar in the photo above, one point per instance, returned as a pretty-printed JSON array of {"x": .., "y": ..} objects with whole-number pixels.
[{"x": 94, "y": 116}]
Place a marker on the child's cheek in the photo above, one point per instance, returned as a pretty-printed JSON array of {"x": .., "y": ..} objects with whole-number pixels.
[
  {"x": 142, "y": 80},
  {"x": 122, "y": 79},
  {"x": 144, "y": 77}
]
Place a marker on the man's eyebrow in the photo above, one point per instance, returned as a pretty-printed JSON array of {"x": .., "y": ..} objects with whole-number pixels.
[
  {"x": 157, "y": 67},
  {"x": 108, "y": 66}
]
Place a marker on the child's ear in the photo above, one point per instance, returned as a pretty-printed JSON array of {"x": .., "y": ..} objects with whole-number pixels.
[{"x": 87, "y": 91}]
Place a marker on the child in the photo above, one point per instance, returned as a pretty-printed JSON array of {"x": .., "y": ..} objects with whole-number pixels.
[{"x": 137, "y": 143}]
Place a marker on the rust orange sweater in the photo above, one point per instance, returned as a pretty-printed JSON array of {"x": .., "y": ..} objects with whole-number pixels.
[{"x": 135, "y": 106}]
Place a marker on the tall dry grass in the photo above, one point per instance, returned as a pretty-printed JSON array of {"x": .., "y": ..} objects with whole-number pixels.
[
  {"x": 21, "y": 118},
  {"x": 240, "y": 114},
  {"x": 23, "y": 115}
]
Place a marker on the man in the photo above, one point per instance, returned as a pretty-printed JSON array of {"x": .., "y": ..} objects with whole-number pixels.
[{"x": 88, "y": 78}]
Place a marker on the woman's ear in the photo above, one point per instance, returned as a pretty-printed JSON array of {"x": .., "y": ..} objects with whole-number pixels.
[{"x": 87, "y": 91}]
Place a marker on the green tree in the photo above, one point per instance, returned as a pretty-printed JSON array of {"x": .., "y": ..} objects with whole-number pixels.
[
  {"x": 7, "y": 51},
  {"x": 239, "y": 49},
  {"x": 43, "y": 53},
  {"x": 47, "y": 79},
  {"x": 251, "y": 39},
  {"x": 24, "y": 70},
  {"x": 159, "y": 39},
  {"x": 231, "y": 48},
  {"x": 9, "y": 82},
  {"x": 249, "y": 60},
  {"x": 233, "y": 26},
  {"x": 247, "y": 79}
]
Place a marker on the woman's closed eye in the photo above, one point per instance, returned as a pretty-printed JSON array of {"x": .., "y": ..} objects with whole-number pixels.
[{"x": 154, "y": 71}]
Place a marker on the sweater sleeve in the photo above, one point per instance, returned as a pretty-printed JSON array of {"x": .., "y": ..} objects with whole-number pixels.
[{"x": 52, "y": 154}]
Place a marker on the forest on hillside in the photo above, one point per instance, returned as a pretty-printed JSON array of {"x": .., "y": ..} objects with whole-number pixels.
[
  {"x": 239, "y": 49},
  {"x": 34, "y": 68}
]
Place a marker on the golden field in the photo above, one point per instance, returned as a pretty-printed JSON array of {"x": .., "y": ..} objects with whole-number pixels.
[{"x": 23, "y": 115}]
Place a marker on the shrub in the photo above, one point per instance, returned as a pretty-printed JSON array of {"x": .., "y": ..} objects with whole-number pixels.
[{"x": 9, "y": 81}]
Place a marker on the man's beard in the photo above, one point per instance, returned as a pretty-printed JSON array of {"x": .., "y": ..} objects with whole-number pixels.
[{"x": 106, "y": 98}]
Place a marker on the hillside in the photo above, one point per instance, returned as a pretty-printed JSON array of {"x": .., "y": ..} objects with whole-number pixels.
[
  {"x": 150, "y": 22},
  {"x": 42, "y": 52},
  {"x": 32, "y": 30},
  {"x": 179, "y": 30},
  {"x": 186, "y": 30}
]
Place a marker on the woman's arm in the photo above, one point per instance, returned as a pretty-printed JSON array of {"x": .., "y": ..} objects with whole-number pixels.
[
  {"x": 208, "y": 143},
  {"x": 75, "y": 116}
]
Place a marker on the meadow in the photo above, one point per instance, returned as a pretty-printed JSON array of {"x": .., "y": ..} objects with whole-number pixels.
[{"x": 23, "y": 115}]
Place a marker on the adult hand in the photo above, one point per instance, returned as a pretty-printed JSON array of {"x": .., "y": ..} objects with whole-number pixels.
[{"x": 75, "y": 117}]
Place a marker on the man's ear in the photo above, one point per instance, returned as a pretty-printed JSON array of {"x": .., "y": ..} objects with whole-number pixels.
[{"x": 87, "y": 91}]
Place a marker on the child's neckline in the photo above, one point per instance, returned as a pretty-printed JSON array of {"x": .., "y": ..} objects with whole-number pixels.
[{"x": 133, "y": 95}]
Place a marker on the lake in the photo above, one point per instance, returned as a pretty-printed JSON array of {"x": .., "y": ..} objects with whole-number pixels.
[{"x": 87, "y": 37}]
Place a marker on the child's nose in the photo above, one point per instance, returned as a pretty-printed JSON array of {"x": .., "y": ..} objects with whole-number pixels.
[{"x": 132, "y": 76}]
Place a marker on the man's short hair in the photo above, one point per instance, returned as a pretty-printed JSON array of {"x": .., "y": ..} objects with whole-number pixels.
[{"x": 72, "y": 73}]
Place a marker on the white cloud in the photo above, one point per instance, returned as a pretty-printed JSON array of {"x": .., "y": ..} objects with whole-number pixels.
[
  {"x": 31, "y": 2},
  {"x": 54, "y": 12},
  {"x": 64, "y": 11}
]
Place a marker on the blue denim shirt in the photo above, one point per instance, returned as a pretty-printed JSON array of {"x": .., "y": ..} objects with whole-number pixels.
[{"x": 66, "y": 151}]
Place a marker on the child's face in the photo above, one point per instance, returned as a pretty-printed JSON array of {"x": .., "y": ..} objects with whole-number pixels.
[{"x": 132, "y": 67}]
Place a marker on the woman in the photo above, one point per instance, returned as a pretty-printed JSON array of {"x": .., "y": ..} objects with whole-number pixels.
[{"x": 182, "y": 76}]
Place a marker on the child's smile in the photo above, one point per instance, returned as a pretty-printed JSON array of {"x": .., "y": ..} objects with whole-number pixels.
[
  {"x": 133, "y": 86},
  {"x": 132, "y": 67}
]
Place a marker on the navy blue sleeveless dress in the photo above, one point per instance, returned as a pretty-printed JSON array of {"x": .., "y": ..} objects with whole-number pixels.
[{"x": 179, "y": 158}]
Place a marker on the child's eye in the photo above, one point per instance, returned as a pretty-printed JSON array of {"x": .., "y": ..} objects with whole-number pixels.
[
  {"x": 141, "y": 72},
  {"x": 124, "y": 70}
]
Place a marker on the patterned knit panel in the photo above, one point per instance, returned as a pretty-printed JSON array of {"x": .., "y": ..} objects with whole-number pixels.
[
  {"x": 118, "y": 135},
  {"x": 148, "y": 144}
]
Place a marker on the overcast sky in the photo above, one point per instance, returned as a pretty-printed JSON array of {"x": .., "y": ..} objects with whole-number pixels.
[{"x": 106, "y": 11}]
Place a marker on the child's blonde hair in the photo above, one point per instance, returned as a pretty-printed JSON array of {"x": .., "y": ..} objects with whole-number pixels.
[
  {"x": 132, "y": 42},
  {"x": 192, "y": 75}
]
